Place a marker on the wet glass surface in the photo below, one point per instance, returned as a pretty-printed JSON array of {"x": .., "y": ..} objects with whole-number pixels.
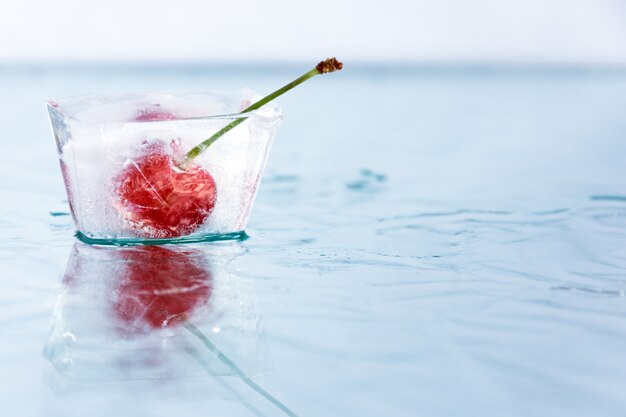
[{"x": 423, "y": 243}]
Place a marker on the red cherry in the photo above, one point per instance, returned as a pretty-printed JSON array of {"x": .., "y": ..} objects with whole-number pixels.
[
  {"x": 154, "y": 114},
  {"x": 157, "y": 199},
  {"x": 160, "y": 287}
]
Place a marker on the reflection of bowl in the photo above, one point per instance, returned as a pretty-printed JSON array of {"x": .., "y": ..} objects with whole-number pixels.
[
  {"x": 100, "y": 137},
  {"x": 120, "y": 313}
]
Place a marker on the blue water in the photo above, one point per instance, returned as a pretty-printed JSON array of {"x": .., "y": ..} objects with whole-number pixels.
[{"x": 424, "y": 242}]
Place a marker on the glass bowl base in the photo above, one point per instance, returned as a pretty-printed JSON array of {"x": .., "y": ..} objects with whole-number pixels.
[{"x": 206, "y": 237}]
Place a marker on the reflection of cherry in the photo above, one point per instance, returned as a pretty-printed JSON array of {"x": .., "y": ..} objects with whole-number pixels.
[
  {"x": 160, "y": 287},
  {"x": 157, "y": 199}
]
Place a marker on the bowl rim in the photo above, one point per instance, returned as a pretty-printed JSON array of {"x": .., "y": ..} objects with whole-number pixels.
[{"x": 268, "y": 112}]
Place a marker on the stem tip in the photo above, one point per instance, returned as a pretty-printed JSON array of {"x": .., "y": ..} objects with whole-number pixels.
[{"x": 329, "y": 65}]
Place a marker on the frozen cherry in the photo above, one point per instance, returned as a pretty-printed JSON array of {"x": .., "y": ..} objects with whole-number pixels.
[
  {"x": 153, "y": 115},
  {"x": 158, "y": 199}
]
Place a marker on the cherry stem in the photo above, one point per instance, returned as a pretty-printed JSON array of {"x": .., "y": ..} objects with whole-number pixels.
[{"x": 323, "y": 67}]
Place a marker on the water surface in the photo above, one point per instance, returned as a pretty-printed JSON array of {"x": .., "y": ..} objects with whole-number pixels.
[{"x": 434, "y": 243}]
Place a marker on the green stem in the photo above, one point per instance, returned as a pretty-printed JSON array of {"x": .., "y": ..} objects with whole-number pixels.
[
  {"x": 235, "y": 369},
  {"x": 281, "y": 91},
  {"x": 205, "y": 144},
  {"x": 323, "y": 67}
]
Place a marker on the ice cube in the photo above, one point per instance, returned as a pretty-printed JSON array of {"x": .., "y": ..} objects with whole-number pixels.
[{"x": 99, "y": 136}]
